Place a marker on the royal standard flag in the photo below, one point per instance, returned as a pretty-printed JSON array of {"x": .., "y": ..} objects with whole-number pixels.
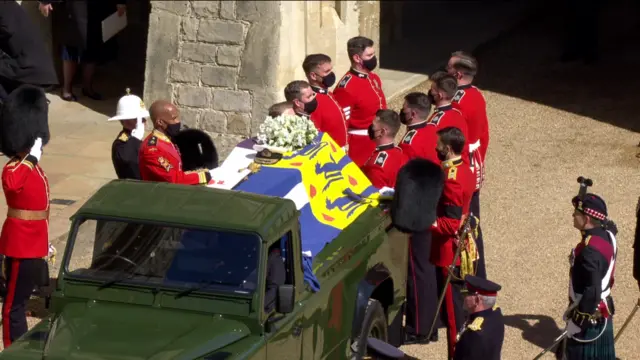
[{"x": 321, "y": 179}]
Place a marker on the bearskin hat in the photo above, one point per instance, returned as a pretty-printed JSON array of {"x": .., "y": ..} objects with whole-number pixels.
[
  {"x": 196, "y": 149},
  {"x": 24, "y": 118},
  {"x": 418, "y": 188}
]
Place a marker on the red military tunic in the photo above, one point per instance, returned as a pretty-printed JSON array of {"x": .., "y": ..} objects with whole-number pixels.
[
  {"x": 420, "y": 142},
  {"x": 160, "y": 160},
  {"x": 361, "y": 96},
  {"x": 330, "y": 117},
  {"x": 454, "y": 202},
  {"x": 25, "y": 233},
  {"x": 447, "y": 116},
  {"x": 383, "y": 165},
  {"x": 474, "y": 108}
]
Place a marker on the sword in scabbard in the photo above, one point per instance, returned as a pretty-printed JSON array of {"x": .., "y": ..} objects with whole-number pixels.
[
  {"x": 555, "y": 343},
  {"x": 626, "y": 322},
  {"x": 463, "y": 233}
]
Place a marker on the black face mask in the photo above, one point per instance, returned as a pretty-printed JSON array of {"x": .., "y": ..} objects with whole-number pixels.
[
  {"x": 311, "y": 106},
  {"x": 432, "y": 98},
  {"x": 442, "y": 156},
  {"x": 403, "y": 118},
  {"x": 329, "y": 80},
  {"x": 371, "y": 132},
  {"x": 173, "y": 129},
  {"x": 370, "y": 64}
]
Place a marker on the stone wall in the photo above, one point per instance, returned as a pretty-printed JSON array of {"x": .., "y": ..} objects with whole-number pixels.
[
  {"x": 322, "y": 27},
  {"x": 225, "y": 62},
  {"x": 217, "y": 61}
]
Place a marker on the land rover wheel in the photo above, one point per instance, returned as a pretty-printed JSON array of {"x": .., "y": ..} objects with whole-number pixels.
[{"x": 374, "y": 325}]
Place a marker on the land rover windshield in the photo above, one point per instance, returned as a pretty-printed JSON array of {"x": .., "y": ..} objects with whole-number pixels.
[{"x": 188, "y": 259}]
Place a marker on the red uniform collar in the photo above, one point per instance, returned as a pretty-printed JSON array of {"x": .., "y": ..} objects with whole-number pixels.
[
  {"x": 419, "y": 125},
  {"x": 358, "y": 73},
  {"x": 319, "y": 89},
  {"x": 384, "y": 147},
  {"x": 456, "y": 161},
  {"x": 444, "y": 107}
]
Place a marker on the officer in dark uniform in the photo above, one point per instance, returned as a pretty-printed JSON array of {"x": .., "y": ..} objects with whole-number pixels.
[
  {"x": 482, "y": 335},
  {"x": 131, "y": 113},
  {"x": 589, "y": 316}
]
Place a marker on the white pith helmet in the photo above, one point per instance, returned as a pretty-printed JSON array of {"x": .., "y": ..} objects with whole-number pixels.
[{"x": 130, "y": 107}]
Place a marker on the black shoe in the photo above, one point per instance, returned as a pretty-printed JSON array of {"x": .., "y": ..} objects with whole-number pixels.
[{"x": 412, "y": 339}]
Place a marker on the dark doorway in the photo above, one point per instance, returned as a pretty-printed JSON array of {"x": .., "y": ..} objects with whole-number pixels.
[{"x": 126, "y": 71}]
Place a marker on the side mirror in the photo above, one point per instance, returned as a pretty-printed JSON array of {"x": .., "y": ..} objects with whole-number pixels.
[{"x": 286, "y": 299}]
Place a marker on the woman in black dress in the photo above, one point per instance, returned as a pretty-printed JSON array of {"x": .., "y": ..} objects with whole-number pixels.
[{"x": 79, "y": 25}]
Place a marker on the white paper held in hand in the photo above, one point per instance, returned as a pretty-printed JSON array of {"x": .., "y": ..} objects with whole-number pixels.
[{"x": 113, "y": 25}]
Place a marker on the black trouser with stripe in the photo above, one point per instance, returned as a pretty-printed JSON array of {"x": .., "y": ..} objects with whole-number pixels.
[
  {"x": 22, "y": 276},
  {"x": 474, "y": 208},
  {"x": 422, "y": 289}
]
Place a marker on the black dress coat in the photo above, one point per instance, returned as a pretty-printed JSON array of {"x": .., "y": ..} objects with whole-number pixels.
[
  {"x": 24, "y": 58},
  {"x": 78, "y": 23}
]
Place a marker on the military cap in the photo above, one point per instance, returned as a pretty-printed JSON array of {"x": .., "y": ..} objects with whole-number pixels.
[
  {"x": 478, "y": 285},
  {"x": 591, "y": 205},
  {"x": 380, "y": 350}
]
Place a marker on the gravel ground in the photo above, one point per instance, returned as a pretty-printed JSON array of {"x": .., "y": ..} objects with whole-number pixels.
[{"x": 549, "y": 124}]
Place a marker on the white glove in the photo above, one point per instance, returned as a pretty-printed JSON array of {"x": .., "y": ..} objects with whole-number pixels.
[
  {"x": 36, "y": 149},
  {"x": 572, "y": 328},
  {"x": 138, "y": 132}
]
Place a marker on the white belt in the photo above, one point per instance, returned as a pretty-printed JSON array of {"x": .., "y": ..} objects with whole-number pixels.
[
  {"x": 473, "y": 147},
  {"x": 361, "y": 132}
]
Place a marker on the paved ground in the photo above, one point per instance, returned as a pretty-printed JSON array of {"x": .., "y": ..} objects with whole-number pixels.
[{"x": 549, "y": 124}]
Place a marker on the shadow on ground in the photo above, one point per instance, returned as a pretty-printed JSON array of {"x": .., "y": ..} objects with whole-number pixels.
[
  {"x": 522, "y": 59},
  {"x": 541, "y": 333},
  {"x": 525, "y": 64}
]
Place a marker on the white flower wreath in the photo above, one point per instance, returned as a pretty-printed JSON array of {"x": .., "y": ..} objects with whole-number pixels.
[{"x": 290, "y": 132}]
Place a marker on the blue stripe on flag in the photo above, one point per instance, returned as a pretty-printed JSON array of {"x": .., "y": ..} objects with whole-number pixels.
[{"x": 271, "y": 182}]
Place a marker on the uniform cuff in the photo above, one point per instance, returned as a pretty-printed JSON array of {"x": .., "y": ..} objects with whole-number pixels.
[
  {"x": 31, "y": 159},
  {"x": 207, "y": 177}
]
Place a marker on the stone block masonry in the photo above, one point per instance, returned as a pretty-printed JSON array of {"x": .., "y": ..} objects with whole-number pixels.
[{"x": 216, "y": 60}]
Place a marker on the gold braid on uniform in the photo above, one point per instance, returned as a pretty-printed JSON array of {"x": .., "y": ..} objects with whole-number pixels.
[{"x": 579, "y": 317}]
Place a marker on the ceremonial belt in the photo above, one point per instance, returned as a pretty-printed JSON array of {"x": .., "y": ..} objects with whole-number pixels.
[
  {"x": 606, "y": 280},
  {"x": 28, "y": 214},
  {"x": 475, "y": 146},
  {"x": 361, "y": 132}
]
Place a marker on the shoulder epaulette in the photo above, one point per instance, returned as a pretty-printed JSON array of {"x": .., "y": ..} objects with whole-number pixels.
[
  {"x": 123, "y": 137},
  {"x": 453, "y": 173},
  {"x": 408, "y": 138},
  {"x": 476, "y": 325},
  {"x": 381, "y": 158},
  {"x": 436, "y": 118},
  {"x": 344, "y": 81},
  {"x": 152, "y": 141},
  {"x": 459, "y": 95}
]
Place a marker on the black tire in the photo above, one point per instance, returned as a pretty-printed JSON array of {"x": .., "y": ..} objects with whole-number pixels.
[{"x": 374, "y": 325}]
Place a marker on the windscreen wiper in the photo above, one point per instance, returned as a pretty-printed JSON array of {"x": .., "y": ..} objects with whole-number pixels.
[
  {"x": 117, "y": 279},
  {"x": 204, "y": 285}
]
